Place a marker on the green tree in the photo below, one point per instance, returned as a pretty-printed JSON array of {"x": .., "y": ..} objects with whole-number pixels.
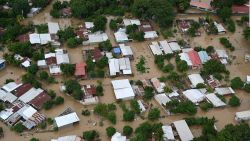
[
  {"x": 237, "y": 83},
  {"x": 43, "y": 75},
  {"x": 102, "y": 63},
  {"x": 48, "y": 105},
  {"x": 140, "y": 65},
  {"x": 110, "y": 131},
  {"x": 68, "y": 69},
  {"x": 18, "y": 127},
  {"x": 39, "y": 3},
  {"x": 182, "y": 66},
  {"x": 32, "y": 69},
  {"x": 112, "y": 117},
  {"x": 127, "y": 130},
  {"x": 246, "y": 33},
  {"x": 154, "y": 114},
  {"x": 234, "y": 101},
  {"x": 100, "y": 23},
  {"x": 224, "y": 13},
  {"x": 182, "y": 5},
  {"x": 65, "y": 34},
  {"x": 52, "y": 94},
  {"x": 20, "y": 7},
  {"x": 113, "y": 25},
  {"x": 89, "y": 135},
  {"x": 105, "y": 46},
  {"x": 135, "y": 106},
  {"x": 128, "y": 116},
  {"x": 59, "y": 100},
  {"x": 34, "y": 139},
  {"x": 247, "y": 88},
  {"x": 148, "y": 93},
  {"x": 73, "y": 42}
]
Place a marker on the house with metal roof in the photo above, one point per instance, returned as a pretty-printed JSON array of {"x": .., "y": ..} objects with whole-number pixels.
[
  {"x": 66, "y": 120},
  {"x": 183, "y": 130},
  {"x": 123, "y": 89},
  {"x": 203, "y": 56}
]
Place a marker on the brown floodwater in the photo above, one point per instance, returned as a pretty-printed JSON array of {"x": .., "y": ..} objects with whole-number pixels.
[{"x": 223, "y": 115}]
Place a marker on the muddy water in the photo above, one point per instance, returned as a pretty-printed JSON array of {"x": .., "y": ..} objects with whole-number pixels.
[{"x": 223, "y": 115}]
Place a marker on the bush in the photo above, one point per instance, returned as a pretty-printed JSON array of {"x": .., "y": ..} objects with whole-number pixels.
[
  {"x": 206, "y": 106},
  {"x": 89, "y": 135},
  {"x": 226, "y": 43},
  {"x": 34, "y": 139},
  {"x": 234, "y": 101},
  {"x": 50, "y": 121},
  {"x": 231, "y": 25},
  {"x": 247, "y": 88},
  {"x": 135, "y": 106},
  {"x": 86, "y": 112},
  {"x": 59, "y": 100},
  {"x": 127, "y": 130},
  {"x": 154, "y": 114},
  {"x": 200, "y": 86},
  {"x": 237, "y": 83},
  {"x": 128, "y": 116},
  {"x": 112, "y": 117},
  {"x": 18, "y": 128},
  {"x": 110, "y": 131},
  {"x": 185, "y": 107}
]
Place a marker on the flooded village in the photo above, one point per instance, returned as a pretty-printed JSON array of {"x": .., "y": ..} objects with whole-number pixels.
[{"x": 127, "y": 76}]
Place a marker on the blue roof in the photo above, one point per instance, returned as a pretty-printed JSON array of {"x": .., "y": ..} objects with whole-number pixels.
[
  {"x": 203, "y": 56},
  {"x": 117, "y": 50}
]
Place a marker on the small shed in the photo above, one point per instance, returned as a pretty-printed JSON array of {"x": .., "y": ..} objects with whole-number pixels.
[
  {"x": 2, "y": 64},
  {"x": 66, "y": 120},
  {"x": 183, "y": 130},
  {"x": 217, "y": 102},
  {"x": 162, "y": 99},
  {"x": 242, "y": 116}
]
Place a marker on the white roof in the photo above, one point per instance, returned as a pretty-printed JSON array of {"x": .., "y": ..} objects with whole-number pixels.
[
  {"x": 219, "y": 27},
  {"x": 224, "y": 90},
  {"x": 41, "y": 63},
  {"x": 48, "y": 55},
  {"x": 150, "y": 35},
  {"x": 2, "y": 60},
  {"x": 195, "y": 79},
  {"x": 118, "y": 137},
  {"x": 185, "y": 57},
  {"x": 243, "y": 115},
  {"x": 30, "y": 95},
  {"x": 34, "y": 38},
  {"x": 155, "y": 48},
  {"x": 45, "y": 38},
  {"x": 121, "y": 35},
  {"x": 27, "y": 112},
  {"x": 183, "y": 130},
  {"x": 165, "y": 46},
  {"x": 174, "y": 46},
  {"x": 248, "y": 78},
  {"x": 6, "y": 114},
  {"x": 113, "y": 66},
  {"x": 89, "y": 25},
  {"x": 215, "y": 100},
  {"x": 61, "y": 57},
  {"x": 55, "y": 69},
  {"x": 222, "y": 54},
  {"x": 66, "y": 119},
  {"x": 26, "y": 63},
  {"x": 194, "y": 95},
  {"x": 159, "y": 86},
  {"x": 162, "y": 99},
  {"x": 117, "y": 65},
  {"x": 126, "y": 50},
  {"x": 7, "y": 96},
  {"x": 68, "y": 138},
  {"x": 122, "y": 89},
  {"x": 142, "y": 108},
  {"x": 168, "y": 132},
  {"x": 53, "y": 27},
  {"x": 40, "y": 38},
  {"x": 173, "y": 94},
  {"x": 97, "y": 37},
  {"x": 11, "y": 86},
  {"x": 131, "y": 22}
]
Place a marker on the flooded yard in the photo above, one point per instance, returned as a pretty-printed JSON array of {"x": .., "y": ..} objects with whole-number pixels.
[{"x": 223, "y": 115}]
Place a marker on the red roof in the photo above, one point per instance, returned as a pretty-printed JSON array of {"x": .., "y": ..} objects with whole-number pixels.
[
  {"x": 194, "y": 57},
  {"x": 240, "y": 9},
  {"x": 23, "y": 38},
  {"x": 51, "y": 61},
  {"x": 80, "y": 69},
  {"x": 97, "y": 53},
  {"x": 89, "y": 90},
  {"x": 204, "y": 5},
  {"x": 22, "y": 89},
  {"x": 39, "y": 100}
]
